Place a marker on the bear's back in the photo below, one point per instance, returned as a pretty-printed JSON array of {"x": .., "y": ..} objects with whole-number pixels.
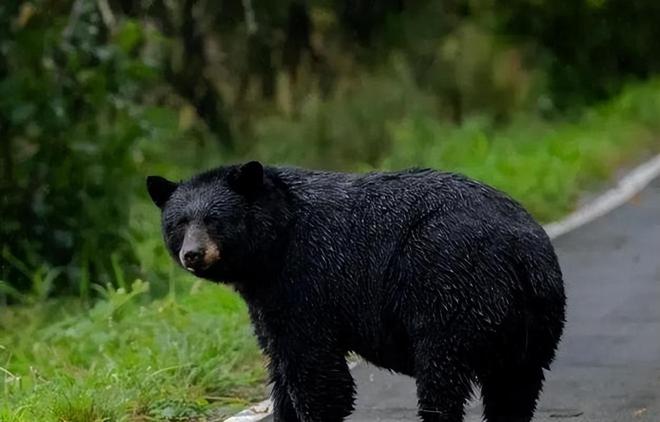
[
  {"x": 397, "y": 199},
  {"x": 353, "y": 226}
]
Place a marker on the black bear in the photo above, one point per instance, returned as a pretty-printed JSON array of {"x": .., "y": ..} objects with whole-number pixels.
[{"x": 426, "y": 273}]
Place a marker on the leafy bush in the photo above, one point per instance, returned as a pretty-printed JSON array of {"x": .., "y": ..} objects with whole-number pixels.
[
  {"x": 347, "y": 130},
  {"x": 94, "y": 95},
  {"x": 74, "y": 140},
  {"x": 589, "y": 48}
]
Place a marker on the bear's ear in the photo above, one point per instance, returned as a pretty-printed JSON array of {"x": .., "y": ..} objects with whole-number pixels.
[
  {"x": 247, "y": 178},
  {"x": 160, "y": 189}
]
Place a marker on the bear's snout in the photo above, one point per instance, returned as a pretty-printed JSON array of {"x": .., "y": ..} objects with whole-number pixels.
[
  {"x": 192, "y": 259},
  {"x": 198, "y": 252}
]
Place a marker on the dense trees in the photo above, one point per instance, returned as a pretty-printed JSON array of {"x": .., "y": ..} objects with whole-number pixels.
[{"x": 90, "y": 90}]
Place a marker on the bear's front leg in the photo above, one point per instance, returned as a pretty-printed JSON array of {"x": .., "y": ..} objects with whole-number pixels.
[
  {"x": 283, "y": 410},
  {"x": 318, "y": 382}
]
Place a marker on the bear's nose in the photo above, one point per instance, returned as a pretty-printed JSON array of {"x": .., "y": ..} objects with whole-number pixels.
[{"x": 193, "y": 258}]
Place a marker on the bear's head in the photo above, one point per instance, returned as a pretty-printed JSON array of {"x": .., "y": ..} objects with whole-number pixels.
[{"x": 224, "y": 225}]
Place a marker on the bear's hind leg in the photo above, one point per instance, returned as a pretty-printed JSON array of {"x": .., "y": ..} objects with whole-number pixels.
[
  {"x": 511, "y": 395},
  {"x": 443, "y": 382}
]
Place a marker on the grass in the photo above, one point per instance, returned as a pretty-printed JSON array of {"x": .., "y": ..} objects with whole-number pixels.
[
  {"x": 171, "y": 348},
  {"x": 167, "y": 348},
  {"x": 128, "y": 357}
]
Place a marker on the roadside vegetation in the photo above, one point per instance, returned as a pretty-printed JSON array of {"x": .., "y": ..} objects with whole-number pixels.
[
  {"x": 96, "y": 321},
  {"x": 129, "y": 357}
]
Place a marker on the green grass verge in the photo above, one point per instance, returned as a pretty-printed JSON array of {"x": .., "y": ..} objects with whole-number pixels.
[
  {"x": 191, "y": 352},
  {"x": 129, "y": 357}
]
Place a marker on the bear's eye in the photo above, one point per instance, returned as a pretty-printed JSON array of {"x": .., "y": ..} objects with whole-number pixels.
[
  {"x": 211, "y": 219},
  {"x": 175, "y": 225}
]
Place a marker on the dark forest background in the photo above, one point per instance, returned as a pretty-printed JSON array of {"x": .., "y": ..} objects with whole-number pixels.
[{"x": 96, "y": 94}]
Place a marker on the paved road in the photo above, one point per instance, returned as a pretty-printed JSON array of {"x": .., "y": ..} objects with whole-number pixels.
[{"x": 608, "y": 367}]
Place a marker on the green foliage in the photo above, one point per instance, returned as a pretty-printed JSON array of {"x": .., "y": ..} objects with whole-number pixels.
[
  {"x": 589, "y": 48},
  {"x": 347, "y": 130},
  {"x": 93, "y": 95},
  {"x": 128, "y": 357},
  {"x": 74, "y": 140},
  {"x": 175, "y": 410}
]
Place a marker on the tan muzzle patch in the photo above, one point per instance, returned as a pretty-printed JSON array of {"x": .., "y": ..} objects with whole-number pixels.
[
  {"x": 198, "y": 251},
  {"x": 211, "y": 253}
]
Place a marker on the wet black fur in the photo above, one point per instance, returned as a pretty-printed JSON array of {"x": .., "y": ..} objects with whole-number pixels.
[{"x": 426, "y": 273}]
